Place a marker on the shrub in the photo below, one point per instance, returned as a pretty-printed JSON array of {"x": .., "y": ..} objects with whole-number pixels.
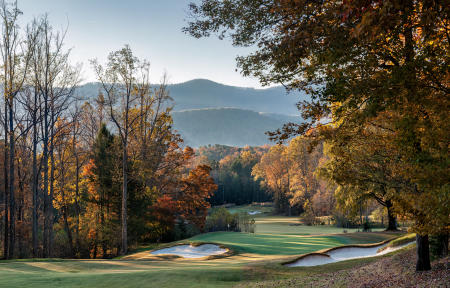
[
  {"x": 222, "y": 220},
  {"x": 366, "y": 226},
  {"x": 245, "y": 223}
]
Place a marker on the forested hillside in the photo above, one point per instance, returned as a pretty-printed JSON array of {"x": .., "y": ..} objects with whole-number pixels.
[{"x": 227, "y": 126}]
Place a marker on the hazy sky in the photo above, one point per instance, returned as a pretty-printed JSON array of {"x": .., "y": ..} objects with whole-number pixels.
[{"x": 153, "y": 30}]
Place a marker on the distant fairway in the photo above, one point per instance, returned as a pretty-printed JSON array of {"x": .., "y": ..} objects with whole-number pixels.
[{"x": 276, "y": 238}]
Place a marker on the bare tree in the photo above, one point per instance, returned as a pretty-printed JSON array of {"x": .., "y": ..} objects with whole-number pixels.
[
  {"x": 56, "y": 81},
  {"x": 16, "y": 54}
]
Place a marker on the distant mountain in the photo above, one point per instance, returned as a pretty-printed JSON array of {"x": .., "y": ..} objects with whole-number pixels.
[
  {"x": 227, "y": 126},
  {"x": 200, "y": 93},
  {"x": 207, "y": 112}
]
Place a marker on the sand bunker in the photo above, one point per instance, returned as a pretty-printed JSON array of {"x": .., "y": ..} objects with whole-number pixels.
[
  {"x": 254, "y": 212},
  {"x": 189, "y": 251},
  {"x": 344, "y": 253}
]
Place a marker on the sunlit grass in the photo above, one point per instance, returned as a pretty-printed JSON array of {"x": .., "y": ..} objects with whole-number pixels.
[{"x": 257, "y": 255}]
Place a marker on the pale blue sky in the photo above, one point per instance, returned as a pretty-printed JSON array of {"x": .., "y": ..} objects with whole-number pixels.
[{"x": 153, "y": 30}]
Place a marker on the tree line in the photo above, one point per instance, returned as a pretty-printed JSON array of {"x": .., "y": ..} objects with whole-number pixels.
[
  {"x": 297, "y": 178},
  {"x": 88, "y": 177},
  {"x": 232, "y": 172}
]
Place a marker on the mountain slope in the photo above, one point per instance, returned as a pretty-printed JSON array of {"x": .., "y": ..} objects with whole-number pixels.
[{"x": 206, "y": 112}]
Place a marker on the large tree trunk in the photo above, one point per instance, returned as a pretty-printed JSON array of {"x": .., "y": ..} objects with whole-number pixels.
[
  {"x": 423, "y": 253},
  {"x": 124, "y": 247},
  {"x": 392, "y": 220}
]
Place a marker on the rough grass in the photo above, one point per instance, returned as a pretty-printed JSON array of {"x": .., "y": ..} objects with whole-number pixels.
[
  {"x": 408, "y": 238},
  {"x": 402, "y": 240},
  {"x": 392, "y": 270}
]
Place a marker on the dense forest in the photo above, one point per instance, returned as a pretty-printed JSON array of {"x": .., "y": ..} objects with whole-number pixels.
[
  {"x": 88, "y": 178},
  {"x": 232, "y": 171}
]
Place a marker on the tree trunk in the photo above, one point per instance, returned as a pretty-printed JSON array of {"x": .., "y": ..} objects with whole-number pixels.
[
  {"x": 392, "y": 221},
  {"x": 441, "y": 245},
  {"x": 69, "y": 233},
  {"x": 35, "y": 188},
  {"x": 12, "y": 204},
  {"x": 77, "y": 207},
  {"x": 423, "y": 253},
  {"x": 5, "y": 175},
  {"x": 45, "y": 168},
  {"x": 50, "y": 200},
  {"x": 124, "y": 247}
]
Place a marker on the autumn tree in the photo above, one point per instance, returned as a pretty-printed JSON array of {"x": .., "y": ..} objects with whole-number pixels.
[
  {"x": 356, "y": 59},
  {"x": 55, "y": 80},
  {"x": 364, "y": 165},
  {"x": 274, "y": 170},
  {"x": 196, "y": 189},
  {"x": 303, "y": 161}
]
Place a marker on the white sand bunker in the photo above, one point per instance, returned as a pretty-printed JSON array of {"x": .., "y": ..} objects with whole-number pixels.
[
  {"x": 254, "y": 212},
  {"x": 345, "y": 253},
  {"x": 189, "y": 251}
]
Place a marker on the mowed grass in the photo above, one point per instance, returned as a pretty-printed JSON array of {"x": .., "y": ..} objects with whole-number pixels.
[
  {"x": 285, "y": 244},
  {"x": 274, "y": 241},
  {"x": 292, "y": 225},
  {"x": 118, "y": 273}
]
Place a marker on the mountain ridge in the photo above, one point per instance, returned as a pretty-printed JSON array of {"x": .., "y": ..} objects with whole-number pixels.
[{"x": 206, "y": 112}]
